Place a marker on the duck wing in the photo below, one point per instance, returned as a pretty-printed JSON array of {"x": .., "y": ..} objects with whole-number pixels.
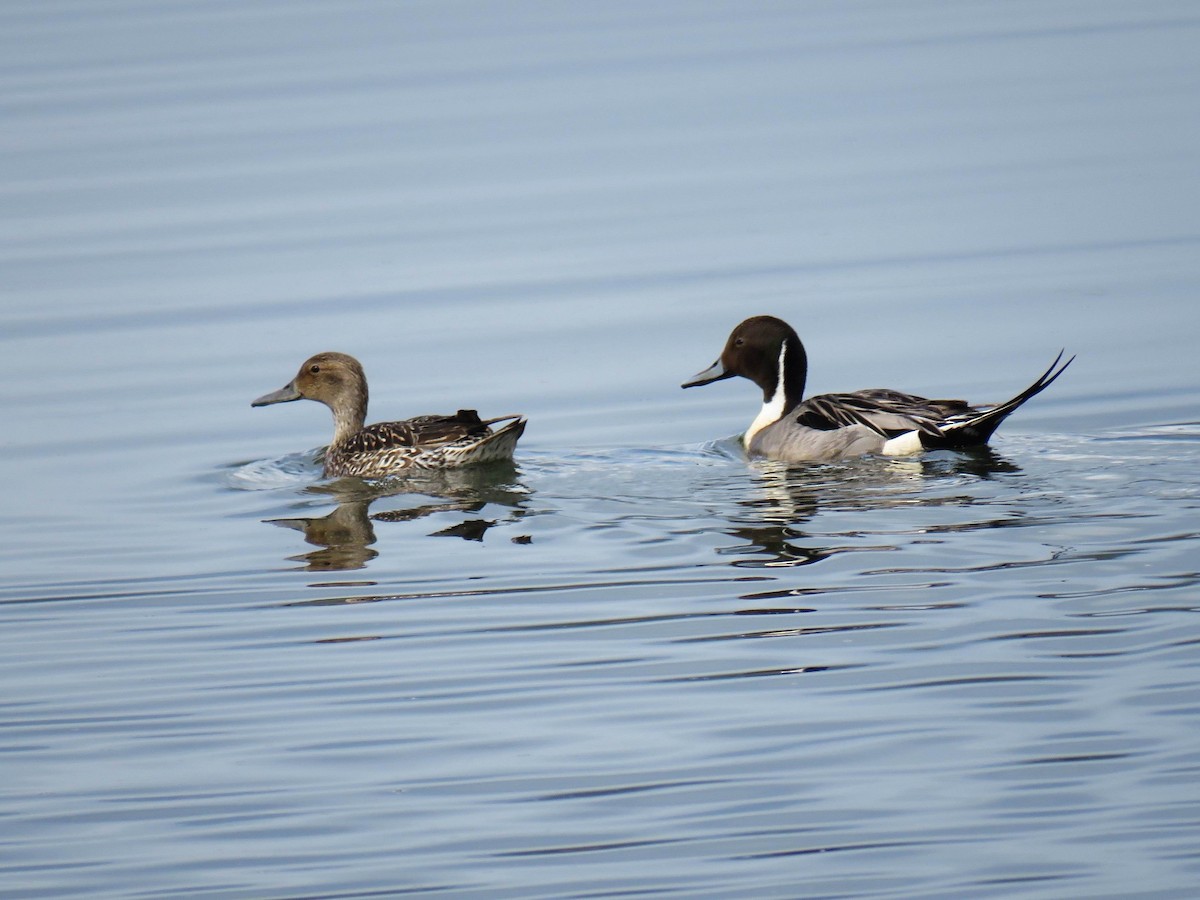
[
  {"x": 886, "y": 412},
  {"x": 419, "y": 431}
]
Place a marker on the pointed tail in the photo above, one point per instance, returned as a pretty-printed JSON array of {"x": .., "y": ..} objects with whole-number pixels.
[
  {"x": 497, "y": 445},
  {"x": 502, "y": 419},
  {"x": 976, "y": 429}
]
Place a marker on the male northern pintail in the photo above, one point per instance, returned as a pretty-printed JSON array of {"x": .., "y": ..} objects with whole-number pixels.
[
  {"x": 374, "y": 451},
  {"x": 835, "y": 426}
]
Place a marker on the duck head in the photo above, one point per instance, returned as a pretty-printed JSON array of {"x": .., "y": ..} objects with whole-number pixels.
[
  {"x": 335, "y": 379},
  {"x": 766, "y": 350}
]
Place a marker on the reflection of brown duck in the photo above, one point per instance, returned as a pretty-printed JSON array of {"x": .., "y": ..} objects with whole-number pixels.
[
  {"x": 467, "y": 529},
  {"x": 375, "y": 451},
  {"x": 345, "y": 535}
]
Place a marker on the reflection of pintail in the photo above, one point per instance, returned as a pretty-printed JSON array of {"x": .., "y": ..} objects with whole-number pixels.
[
  {"x": 772, "y": 545},
  {"x": 346, "y": 534},
  {"x": 789, "y": 496},
  {"x": 388, "y": 448},
  {"x": 768, "y": 351}
]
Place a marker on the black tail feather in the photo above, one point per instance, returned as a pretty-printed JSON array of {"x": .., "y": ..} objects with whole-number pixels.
[{"x": 976, "y": 430}]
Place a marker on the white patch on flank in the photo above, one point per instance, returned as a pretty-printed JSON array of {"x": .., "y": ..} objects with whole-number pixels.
[
  {"x": 905, "y": 445},
  {"x": 773, "y": 408}
]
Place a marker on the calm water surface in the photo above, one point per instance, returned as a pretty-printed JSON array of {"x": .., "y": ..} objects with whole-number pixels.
[{"x": 632, "y": 663}]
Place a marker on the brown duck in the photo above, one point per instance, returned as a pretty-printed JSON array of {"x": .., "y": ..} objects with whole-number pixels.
[{"x": 389, "y": 448}]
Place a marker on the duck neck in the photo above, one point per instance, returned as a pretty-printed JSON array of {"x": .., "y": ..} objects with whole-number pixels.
[
  {"x": 783, "y": 393},
  {"x": 348, "y": 417}
]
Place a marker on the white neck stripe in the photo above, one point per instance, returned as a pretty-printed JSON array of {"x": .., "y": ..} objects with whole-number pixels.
[{"x": 772, "y": 409}]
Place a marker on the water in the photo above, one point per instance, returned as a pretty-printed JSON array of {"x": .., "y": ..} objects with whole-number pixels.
[{"x": 632, "y": 663}]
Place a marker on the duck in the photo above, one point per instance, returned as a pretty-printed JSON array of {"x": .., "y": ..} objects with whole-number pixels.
[
  {"x": 389, "y": 448},
  {"x": 829, "y": 427}
]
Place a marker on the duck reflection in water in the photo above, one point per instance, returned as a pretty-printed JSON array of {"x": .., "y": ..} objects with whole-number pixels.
[
  {"x": 345, "y": 536},
  {"x": 792, "y": 494}
]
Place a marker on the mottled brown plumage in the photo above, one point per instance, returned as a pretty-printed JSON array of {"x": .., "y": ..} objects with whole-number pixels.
[{"x": 374, "y": 451}]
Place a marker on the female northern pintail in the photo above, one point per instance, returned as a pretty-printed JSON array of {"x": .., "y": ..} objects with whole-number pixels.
[
  {"x": 374, "y": 451},
  {"x": 835, "y": 426}
]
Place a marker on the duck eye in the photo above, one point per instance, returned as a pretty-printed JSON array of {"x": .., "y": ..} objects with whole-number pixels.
[
  {"x": 739, "y": 342},
  {"x": 314, "y": 369}
]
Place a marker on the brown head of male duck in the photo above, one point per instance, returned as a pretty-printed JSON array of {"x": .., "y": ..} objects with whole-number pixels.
[{"x": 388, "y": 448}]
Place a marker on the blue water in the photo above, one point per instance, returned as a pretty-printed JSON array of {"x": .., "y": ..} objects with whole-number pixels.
[{"x": 632, "y": 663}]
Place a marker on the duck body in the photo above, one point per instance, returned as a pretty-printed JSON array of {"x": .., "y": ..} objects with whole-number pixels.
[
  {"x": 389, "y": 448},
  {"x": 423, "y": 442},
  {"x": 837, "y": 426}
]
